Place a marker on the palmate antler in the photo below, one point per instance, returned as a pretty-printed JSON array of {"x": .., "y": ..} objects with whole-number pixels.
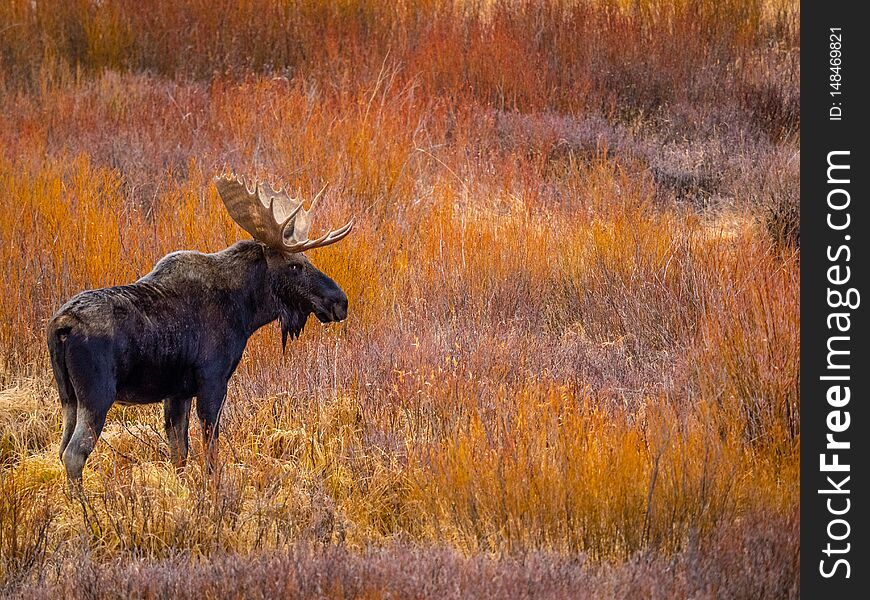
[{"x": 271, "y": 216}]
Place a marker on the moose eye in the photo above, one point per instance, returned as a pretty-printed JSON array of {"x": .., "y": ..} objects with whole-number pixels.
[{"x": 294, "y": 267}]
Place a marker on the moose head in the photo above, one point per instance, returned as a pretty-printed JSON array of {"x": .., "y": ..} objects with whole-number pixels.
[{"x": 282, "y": 225}]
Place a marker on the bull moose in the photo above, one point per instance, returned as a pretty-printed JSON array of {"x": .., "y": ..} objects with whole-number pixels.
[{"x": 179, "y": 331}]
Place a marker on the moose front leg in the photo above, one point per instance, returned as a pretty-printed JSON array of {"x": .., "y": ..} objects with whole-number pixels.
[
  {"x": 208, "y": 407},
  {"x": 176, "y": 417}
]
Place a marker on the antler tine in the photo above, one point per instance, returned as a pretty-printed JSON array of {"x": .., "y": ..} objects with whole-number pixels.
[
  {"x": 330, "y": 237},
  {"x": 339, "y": 233},
  {"x": 288, "y": 222},
  {"x": 317, "y": 197}
]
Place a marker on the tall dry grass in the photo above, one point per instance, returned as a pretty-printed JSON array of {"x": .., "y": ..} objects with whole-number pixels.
[{"x": 570, "y": 330}]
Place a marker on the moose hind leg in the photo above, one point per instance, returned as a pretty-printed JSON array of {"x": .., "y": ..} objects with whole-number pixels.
[
  {"x": 89, "y": 426},
  {"x": 95, "y": 392},
  {"x": 176, "y": 417},
  {"x": 69, "y": 424},
  {"x": 65, "y": 391}
]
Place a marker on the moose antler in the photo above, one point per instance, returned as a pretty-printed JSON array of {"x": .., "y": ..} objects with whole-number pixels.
[{"x": 271, "y": 216}]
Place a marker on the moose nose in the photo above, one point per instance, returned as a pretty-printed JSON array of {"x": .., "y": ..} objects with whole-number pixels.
[{"x": 339, "y": 308}]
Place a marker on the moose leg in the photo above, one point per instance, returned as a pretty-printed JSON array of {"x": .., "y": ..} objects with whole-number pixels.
[
  {"x": 94, "y": 386},
  {"x": 69, "y": 424},
  {"x": 208, "y": 407},
  {"x": 89, "y": 426},
  {"x": 65, "y": 390},
  {"x": 176, "y": 416}
]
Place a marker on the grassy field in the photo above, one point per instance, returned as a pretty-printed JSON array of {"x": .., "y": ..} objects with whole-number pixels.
[{"x": 571, "y": 366}]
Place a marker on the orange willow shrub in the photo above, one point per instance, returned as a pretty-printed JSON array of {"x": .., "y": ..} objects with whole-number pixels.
[
  {"x": 552, "y": 470},
  {"x": 748, "y": 351}
]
